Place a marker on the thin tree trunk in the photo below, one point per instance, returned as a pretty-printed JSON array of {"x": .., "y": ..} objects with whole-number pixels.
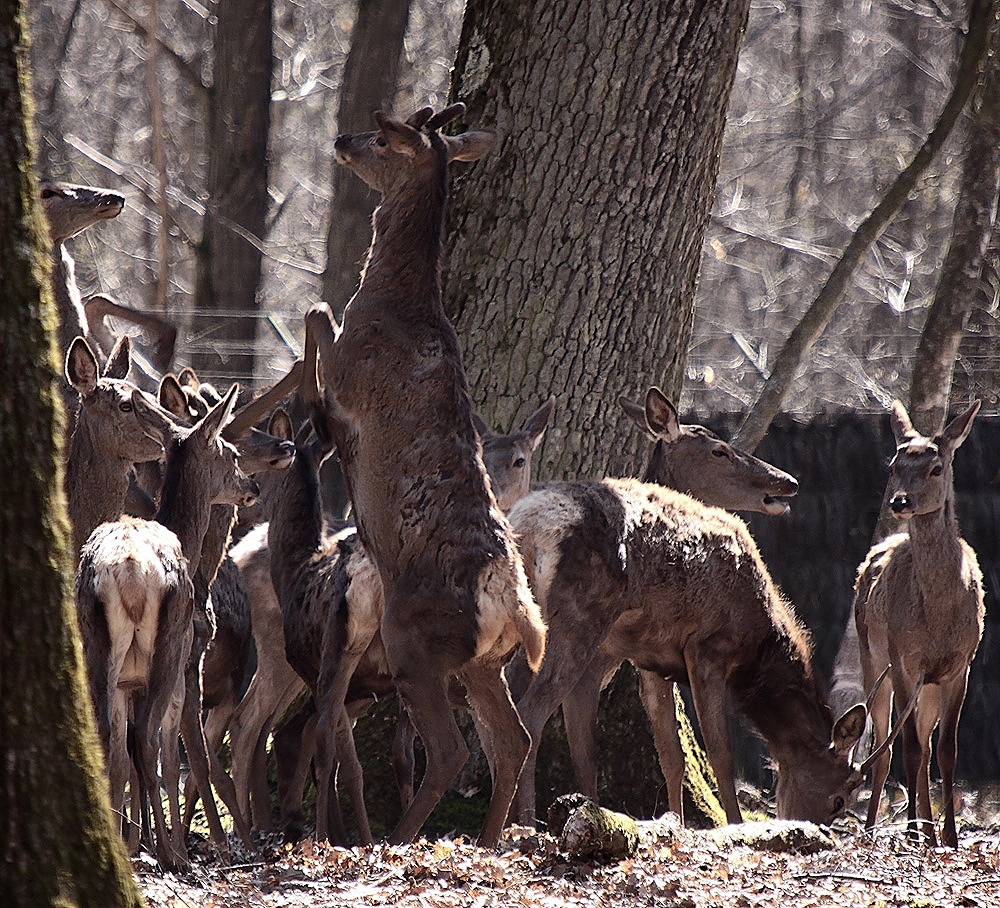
[
  {"x": 229, "y": 261},
  {"x": 960, "y": 283},
  {"x": 57, "y": 842},
  {"x": 575, "y": 247},
  {"x": 817, "y": 317},
  {"x": 371, "y": 74}
]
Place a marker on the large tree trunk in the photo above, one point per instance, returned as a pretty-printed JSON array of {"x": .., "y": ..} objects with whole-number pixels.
[
  {"x": 370, "y": 76},
  {"x": 575, "y": 247},
  {"x": 229, "y": 259},
  {"x": 57, "y": 843}
]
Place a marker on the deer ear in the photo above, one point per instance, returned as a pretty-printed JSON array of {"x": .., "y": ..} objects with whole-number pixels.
[
  {"x": 899, "y": 419},
  {"x": 847, "y": 730},
  {"x": 172, "y": 397},
  {"x": 188, "y": 378},
  {"x": 470, "y": 146},
  {"x": 958, "y": 429},
  {"x": 81, "y": 367},
  {"x": 216, "y": 418},
  {"x": 661, "y": 416},
  {"x": 418, "y": 118},
  {"x": 280, "y": 425},
  {"x": 635, "y": 412},
  {"x": 120, "y": 360},
  {"x": 535, "y": 425},
  {"x": 483, "y": 430}
]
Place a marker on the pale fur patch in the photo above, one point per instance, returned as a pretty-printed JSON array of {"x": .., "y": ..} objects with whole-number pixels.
[
  {"x": 507, "y": 614},
  {"x": 130, "y": 579},
  {"x": 541, "y": 520},
  {"x": 365, "y": 602}
]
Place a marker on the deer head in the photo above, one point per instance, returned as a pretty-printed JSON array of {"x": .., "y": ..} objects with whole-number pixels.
[
  {"x": 508, "y": 457},
  {"x": 399, "y": 152},
  {"x": 72, "y": 209},
  {"x": 217, "y": 458},
  {"x": 695, "y": 460},
  {"x": 106, "y": 401},
  {"x": 920, "y": 478}
]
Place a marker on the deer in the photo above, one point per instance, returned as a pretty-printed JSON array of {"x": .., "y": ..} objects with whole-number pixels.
[
  {"x": 918, "y": 606},
  {"x": 637, "y": 571},
  {"x": 135, "y": 601},
  {"x": 694, "y": 460},
  {"x": 457, "y": 601},
  {"x": 332, "y": 604},
  {"x": 107, "y": 438},
  {"x": 214, "y": 660}
]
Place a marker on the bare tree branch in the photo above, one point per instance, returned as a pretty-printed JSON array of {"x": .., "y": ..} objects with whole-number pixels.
[{"x": 818, "y": 316}]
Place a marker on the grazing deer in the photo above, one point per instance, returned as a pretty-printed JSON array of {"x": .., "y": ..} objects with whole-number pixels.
[
  {"x": 694, "y": 460},
  {"x": 134, "y": 597},
  {"x": 649, "y": 574},
  {"x": 108, "y": 438},
  {"x": 456, "y": 598},
  {"x": 918, "y": 604}
]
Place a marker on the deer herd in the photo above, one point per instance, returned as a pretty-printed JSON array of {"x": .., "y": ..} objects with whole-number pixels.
[{"x": 455, "y": 585}]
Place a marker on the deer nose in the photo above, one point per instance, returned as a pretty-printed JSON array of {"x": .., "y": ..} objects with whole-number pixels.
[
  {"x": 342, "y": 141},
  {"x": 900, "y": 503},
  {"x": 250, "y": 493}
]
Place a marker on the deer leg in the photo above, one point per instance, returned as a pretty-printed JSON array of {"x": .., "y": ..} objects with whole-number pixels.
[
  {"x": 708, "y": 688},
  {"x": 294, "y": 745},
  {"x": 953, "y": 696},
  {"x": 505, "y": 738},
  {"x": 880, "y": 713},
  {"x": 446, "y": 750},
  {"x": 353, "y": 775},
  {"x": 215, "y": 730},
  {"x": 402, "y": 756},
  {"x": 659, "y": 700},
  {"x": 917, "y": 729},
  {"x": 580, "y": 710}
]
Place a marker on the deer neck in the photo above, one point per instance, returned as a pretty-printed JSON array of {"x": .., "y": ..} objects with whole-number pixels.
[
  {"x": 296, "y": 528},
  {"x": 406, "y": 247},
  {"x": 69, "y": 306},
  {"x": 781, "y": 697},
  {"x": 96, "y": 482},
  {"x": 184, "y": 507},
  {"x": 660, "y": 470},
  {"x": 214, "y": 546},
  {"x": 937, "y": 551}
]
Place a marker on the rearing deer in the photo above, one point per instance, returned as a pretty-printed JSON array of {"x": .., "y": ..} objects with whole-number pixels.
[
  {"x": 918, "y": 605},
  {"x": 457, "y": 601}
]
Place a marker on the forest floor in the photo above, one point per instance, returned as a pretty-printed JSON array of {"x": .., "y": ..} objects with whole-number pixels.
[{"x": 674, "y": 868}]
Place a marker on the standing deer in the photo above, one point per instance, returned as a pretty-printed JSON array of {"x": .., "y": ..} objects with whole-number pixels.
[
  {"x": 456, "y": 598},
  {"x": 918, "y": 604},
  {"x": 134, "y": 597},
  {"x": 259, "y": 451},
  {"x": 648, "y": 574},
  {"x": 108, "y": 437},
  {"x": 694, "y": 460}
]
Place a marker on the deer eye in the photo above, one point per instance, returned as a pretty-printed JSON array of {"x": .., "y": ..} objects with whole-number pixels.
[
  {"x": 519, "y": 463},
  {"x": 125, "y": 406},
  {"x": 381, "y": 142},
  {"x": 938, "y": 470},
  {"x": 720, "y": 452}
]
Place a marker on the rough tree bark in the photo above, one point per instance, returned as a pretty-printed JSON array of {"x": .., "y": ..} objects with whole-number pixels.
[
  {"x": 229, "y": 257},
  {"x": 820, "y": 312},
  {"x": 370, "y": 77},
  {"x": 575, "y": 246},
  {"x": 57, "y": 843}
]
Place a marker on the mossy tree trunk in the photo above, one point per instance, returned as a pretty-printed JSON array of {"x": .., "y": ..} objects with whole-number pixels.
[
  {"x": 58, "y": 845},
  {"x": 575, "y": 246}
]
